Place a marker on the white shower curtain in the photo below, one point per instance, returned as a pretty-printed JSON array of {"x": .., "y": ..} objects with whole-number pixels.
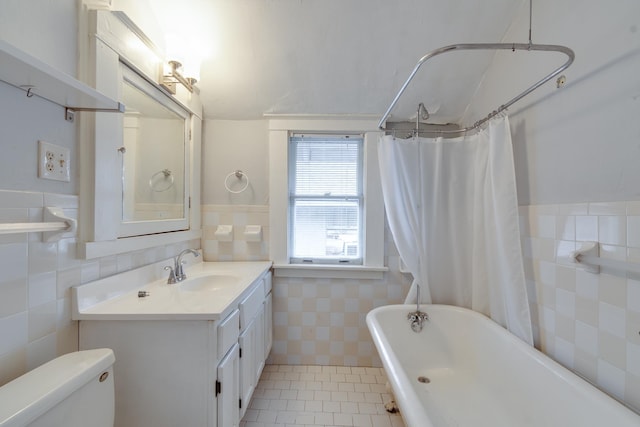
[{"x": 452, "y": 209}]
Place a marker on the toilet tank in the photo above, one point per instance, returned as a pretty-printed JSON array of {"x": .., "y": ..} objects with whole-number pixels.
[{"x": 73, "y": 390}]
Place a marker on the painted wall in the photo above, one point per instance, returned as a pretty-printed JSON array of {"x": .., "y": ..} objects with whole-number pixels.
[
  {"x": 44, "y": 29},
  {"x": 588, "y": 324},
  {"x": 316, "y": 321},
  {"x": 35, "y": 300},
  {"x": 576, "y": 154},
  {"x": 580, "y": 143},
  {"x": 23, "y": 25},
  {"x": 230, "y": 145}
]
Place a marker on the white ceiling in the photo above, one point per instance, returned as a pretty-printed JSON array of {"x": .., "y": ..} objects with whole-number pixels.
[{"x": 337, "y": 56}]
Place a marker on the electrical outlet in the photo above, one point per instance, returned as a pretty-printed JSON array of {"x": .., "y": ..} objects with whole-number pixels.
[{"x": 53, "y": 162}]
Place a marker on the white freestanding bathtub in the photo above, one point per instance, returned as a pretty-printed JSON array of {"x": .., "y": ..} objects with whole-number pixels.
[{"x": 465, "y": 370}]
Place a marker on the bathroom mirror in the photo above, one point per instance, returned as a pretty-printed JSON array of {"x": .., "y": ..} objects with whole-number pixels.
[{"x": 154, "y": 159}]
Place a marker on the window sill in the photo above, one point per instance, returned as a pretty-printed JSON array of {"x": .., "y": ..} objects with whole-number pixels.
[{"x": 328, "y": 271}]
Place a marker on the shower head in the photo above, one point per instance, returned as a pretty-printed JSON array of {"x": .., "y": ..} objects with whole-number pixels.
[{"x": 422, "y": 112}]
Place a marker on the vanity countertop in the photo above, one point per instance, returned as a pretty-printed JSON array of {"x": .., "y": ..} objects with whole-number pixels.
[{"x": 209, "y": 292}]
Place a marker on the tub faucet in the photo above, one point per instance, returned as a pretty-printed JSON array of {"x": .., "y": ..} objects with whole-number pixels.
[
  {"x": 177, "y": 274},
  {"x": 417, "y": 318}
]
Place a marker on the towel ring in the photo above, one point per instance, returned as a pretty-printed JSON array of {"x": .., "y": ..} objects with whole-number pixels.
[
  {"x": 167, "y": 178},
  {"x": 238, "y": 174}
]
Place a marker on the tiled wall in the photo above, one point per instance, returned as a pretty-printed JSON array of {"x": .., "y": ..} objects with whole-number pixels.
[
  {"x": 316, "y": 321},
  {"x": 322, "y": 321},
  {"x": 588, "y": 322},
  {"x": 238, "y": 248},
  {"x": 35, "y": 304}
]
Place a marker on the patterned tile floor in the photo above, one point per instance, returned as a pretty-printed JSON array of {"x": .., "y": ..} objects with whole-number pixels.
[{"x": 320, "y": 396}]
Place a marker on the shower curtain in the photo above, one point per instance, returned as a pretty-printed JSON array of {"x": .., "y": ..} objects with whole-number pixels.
[{"x": 452, "y": 210}]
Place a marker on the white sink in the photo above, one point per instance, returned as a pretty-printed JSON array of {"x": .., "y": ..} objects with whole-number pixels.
[
  {"x": 207, "y": 293},
  {"x": 213, "y": 282}
]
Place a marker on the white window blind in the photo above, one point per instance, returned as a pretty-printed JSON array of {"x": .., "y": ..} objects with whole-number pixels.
[{"x": 325, "y": 199}]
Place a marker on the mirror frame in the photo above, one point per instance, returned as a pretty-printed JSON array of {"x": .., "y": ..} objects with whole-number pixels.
[
  {"x": 136, "y": 228},
  {"x": 112, "y": 39}
]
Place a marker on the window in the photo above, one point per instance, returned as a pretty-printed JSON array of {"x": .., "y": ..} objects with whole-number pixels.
[
  {"x": 326, "y": 199},
  {"x": 371, "y": 243}
]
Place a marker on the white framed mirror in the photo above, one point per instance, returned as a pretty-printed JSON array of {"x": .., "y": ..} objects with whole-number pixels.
[
  {"x": 137, "y": 190},
  {"x": 155, "y": 167}
]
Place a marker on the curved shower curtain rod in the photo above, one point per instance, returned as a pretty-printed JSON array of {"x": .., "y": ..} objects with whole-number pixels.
[{"x": 486, "y": 46}]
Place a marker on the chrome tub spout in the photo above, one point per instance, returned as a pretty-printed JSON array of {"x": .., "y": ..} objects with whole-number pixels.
[{"x": 417, "y": 318}]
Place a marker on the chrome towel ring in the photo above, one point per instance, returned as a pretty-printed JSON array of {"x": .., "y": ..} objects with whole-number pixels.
[
  {"x": 162, "y": 183},
  {"x": 239, "y": 175}
]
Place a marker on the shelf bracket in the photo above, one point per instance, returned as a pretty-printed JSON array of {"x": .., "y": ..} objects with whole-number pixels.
[
  {"x": 70, "y": 112},
  {"x": 55, "y": 214}
]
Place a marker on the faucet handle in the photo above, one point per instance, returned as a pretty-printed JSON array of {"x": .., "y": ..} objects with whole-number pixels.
[{"x": 172, "y": 274}]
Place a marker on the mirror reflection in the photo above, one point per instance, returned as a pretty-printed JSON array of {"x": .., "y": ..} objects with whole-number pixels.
[{"x": 154, "y": 160}]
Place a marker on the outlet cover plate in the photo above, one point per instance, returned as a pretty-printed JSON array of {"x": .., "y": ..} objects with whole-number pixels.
[{"x": 53, "y": 162}]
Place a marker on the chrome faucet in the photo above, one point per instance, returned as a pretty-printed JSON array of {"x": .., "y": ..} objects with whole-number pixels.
[
  {"x": 177, "y": 274},
  {"x": 417, "y": 318}
]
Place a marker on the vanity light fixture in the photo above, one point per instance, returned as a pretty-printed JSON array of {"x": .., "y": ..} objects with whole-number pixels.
[{"x": 172, "y": 75}]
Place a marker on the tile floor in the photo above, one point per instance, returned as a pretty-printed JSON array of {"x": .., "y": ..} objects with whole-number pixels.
[{"x": 320, "y": 396}]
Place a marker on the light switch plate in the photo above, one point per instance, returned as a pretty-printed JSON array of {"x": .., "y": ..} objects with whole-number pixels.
[{"x": 53, "y": 162}]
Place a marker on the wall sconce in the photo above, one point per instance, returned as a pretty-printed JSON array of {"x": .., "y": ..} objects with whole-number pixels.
[{"x": 172, "y": 76}]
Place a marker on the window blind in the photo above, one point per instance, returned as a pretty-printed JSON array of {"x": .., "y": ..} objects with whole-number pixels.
[{"x": 325, "y": 188}]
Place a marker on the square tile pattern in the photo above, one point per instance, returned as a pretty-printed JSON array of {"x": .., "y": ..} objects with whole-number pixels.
[
  {"x": 590, "y": 323},
  {"x": 35, "y": 295},
  {"x": 320, "y": 396},
  {"x": 238, "y": 248}
]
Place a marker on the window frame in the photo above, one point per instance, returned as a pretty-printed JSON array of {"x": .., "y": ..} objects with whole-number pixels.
[
  {"x": 292, "y": 163},
  {"x": 280, "y": 127}
]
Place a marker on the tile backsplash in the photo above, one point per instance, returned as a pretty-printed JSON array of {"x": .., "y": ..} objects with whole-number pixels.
[
  {"x": 316, "y": 321},
  {"x": 35, "y": 297},
  {"x": 322, "y": 321},
  {"x": 588, "y": 322},
  {"x": 236, "y": 247}
]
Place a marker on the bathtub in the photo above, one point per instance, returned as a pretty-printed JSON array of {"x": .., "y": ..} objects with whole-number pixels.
[{"x": 465, "y": 370}]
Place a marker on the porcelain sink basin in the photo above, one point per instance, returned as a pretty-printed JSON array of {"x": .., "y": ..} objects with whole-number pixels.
[{"x": 209, "y": 283}]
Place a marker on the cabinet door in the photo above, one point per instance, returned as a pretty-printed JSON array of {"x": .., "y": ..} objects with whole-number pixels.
[
  {"x": 247, "y": 341},
  {"x": 258, "y": 354},
  {"x": 227, "y": 389},
  {"x": 268, "y": 325}
]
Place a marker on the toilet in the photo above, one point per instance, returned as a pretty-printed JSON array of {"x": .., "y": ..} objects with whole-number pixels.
[{"x": 73, "y": 390}]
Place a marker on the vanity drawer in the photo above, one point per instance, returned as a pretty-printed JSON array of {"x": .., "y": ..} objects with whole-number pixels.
[
  {"x": 251, "y": 305},
  {"x": 228, "y": 331}
]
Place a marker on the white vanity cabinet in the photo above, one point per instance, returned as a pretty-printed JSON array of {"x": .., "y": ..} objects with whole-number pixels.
[
  {"x": 186, "y": 369},
  {"x": 227, "y": 399},
  {"x": 227, "y": 386},
  {"x": 268, "y": 315},
  {"x": 251, "y": 343}
]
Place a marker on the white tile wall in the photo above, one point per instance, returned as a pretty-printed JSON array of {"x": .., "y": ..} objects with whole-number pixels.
[
  {"x": 316, "y": 321},
  {"x": 35, "y": 304},
  {"x": 322, "y": 321},
  {"x": 588, "y": 322},
  {"x": 238, "y": 249}
]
